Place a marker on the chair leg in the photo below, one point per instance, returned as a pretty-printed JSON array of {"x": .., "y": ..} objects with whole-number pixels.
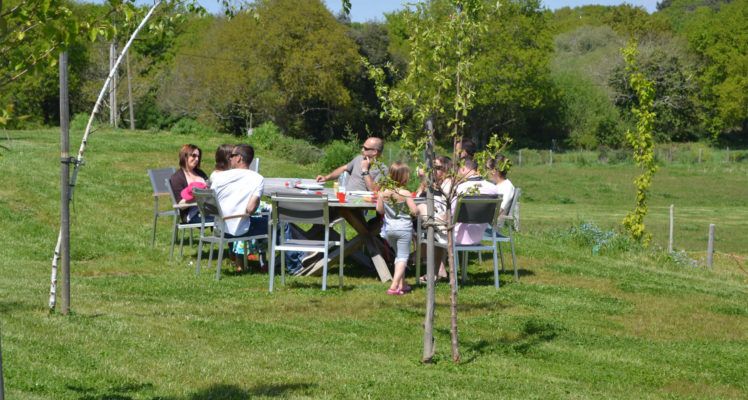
[
  {"x": 271, "y": 254},
  {"x": 221, "y": 245},
  {"x": 514, "y": 259},
  {"x": 173, "y": 238},
  {"x": 210, "y": 255},
  {"x": 418, "y": 261},
  {"x": 200, "y": 256},
  {"x": 324, "y": 271},
  {"x": 245, "y": 255},
  {"x": 495, "y": 268},
  {"x": 155, "y": 224},
  {"x": 464, "y": 266},
  {"x": 480, "y": 256}
]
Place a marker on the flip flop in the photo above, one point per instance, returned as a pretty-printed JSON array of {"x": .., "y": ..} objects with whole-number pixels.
[{"x": 395, "y": 292}]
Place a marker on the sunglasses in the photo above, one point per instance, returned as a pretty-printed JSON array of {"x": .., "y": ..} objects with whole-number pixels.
[
  {"x": 234, "y": 155},
  {"x": 369, "y": 148},
  {"x": 195, "y": 155}
]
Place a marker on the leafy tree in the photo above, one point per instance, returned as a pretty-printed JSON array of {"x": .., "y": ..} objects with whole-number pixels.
[{"x": 289, "y": 64}]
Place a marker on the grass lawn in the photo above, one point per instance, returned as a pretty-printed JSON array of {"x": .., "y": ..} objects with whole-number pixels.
[{"x": 622, "y": 324}]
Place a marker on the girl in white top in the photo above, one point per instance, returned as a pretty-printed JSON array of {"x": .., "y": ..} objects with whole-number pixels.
[
  {"x": 397, "y": 205},
  {"x": 498, "y": 168}
]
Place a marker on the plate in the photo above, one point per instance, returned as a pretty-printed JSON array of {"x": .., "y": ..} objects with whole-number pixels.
[{"x": 309, "y": 186}]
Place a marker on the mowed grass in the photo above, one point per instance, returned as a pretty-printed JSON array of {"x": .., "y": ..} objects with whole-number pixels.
[{"x": 623, "y": 324}]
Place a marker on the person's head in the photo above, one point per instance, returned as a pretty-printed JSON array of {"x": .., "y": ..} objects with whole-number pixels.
[
  {"x": 189, "y": 157},
  {"x": 400, "y": 173},
  {"x": 223, "y": 157},
  {"x": 442, "y": 164},
  {"x": 498, "y": 166},
  {"x": 242, "y": 156},
  {"x": 372, "y": 147},
  {"x": 469, "y": 167},
  {"x": 465, "y": 148}
]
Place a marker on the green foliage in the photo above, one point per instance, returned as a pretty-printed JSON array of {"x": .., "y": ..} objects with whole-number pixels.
[
  {"x": 298, "y": 150},
  {"x": 337, "y": 153},
  {"x": 642, "y": 141},
  {"x": 600, "y": 241},
  {"x": 265, "y": 136},
  {"x": 188, "y": 126}
]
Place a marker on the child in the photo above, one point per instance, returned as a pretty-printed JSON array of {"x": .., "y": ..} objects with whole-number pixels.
[{"x": 397, "y": 206}]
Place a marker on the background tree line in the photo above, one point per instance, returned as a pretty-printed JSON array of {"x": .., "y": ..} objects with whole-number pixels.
[{"x": 547, "y": 78}]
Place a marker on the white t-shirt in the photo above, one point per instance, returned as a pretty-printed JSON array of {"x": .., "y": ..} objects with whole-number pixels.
[
  {"x": 506, "y": 190},
  {"x": 472, "y": 233},
  {"x": 234, "y": 188}
]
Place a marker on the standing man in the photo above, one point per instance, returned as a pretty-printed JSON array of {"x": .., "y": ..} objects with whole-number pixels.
[
  {"x": 364, "y": 173},
  {"x": 238, "y": 191}
]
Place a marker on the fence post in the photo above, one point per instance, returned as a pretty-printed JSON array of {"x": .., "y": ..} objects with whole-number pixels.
[
  {"x": 700, "y": 150},
  {"x": 710, "y": 247},
  {"x": 728, "y": 155},
  {"x": 670, "y": 240},
  {"x": 550, "y": 152},
  {"x": 519, "y": 157}
]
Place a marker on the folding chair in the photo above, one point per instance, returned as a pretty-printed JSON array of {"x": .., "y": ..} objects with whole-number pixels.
[
  {"x": 310, "y": 209},
  {"x": 209, "y": 207},
  {"x": 179, "y": 226},
  {"x": 160, "y": 188},
  {"x": 509, "y": 221},
  {"x": 483, "y": 209}
]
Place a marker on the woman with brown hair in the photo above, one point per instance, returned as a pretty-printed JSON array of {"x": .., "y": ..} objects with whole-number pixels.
[{"x": 189, "y": 173}]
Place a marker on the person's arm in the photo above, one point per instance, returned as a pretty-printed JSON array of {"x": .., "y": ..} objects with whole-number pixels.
[
  {"x": 254, "y": 202},
  {"x": 371, "y": 183},
  {"x": 380, "y": 202},
  {"x": 332, "y": 175},
  {"x": 178, "y": 182}
]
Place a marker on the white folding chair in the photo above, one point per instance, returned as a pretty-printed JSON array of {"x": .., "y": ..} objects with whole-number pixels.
[
  {"x": 482, "y": 209},
  {"x": 160, "y": 189},
  {"x": 179, "y": 226},
  {"x": 209, "y": 207},
  {"x": 310, "y": 209}
]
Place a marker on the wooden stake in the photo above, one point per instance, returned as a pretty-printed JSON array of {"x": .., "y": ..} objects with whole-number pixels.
[
  {"x": 64, "y": 185},
  {"x": 129, "y": 92},
  {"x": 670, "y": 239},
  {"x": 429, "y": 346},
  {"x": 710, "y": 247}
]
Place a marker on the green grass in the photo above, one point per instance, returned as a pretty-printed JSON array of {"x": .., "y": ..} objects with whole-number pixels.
[{"x": 623, "y": 324}]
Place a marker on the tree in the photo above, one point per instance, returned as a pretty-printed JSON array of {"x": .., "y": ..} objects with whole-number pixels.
[
  {"x": 289, "y": 64},
  {"x": 439, "y": 85}
]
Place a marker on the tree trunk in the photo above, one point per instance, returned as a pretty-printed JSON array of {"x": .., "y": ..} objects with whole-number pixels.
[
  {"x": 429, "y": 347},
  {"x": 453, "y": 288},
  {"x": 64, "y": 185}
]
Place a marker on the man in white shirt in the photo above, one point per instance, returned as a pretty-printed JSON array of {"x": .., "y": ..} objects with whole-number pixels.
[
  {"x": 238, "y": 191},
  {"x": 472, "y": 183}
]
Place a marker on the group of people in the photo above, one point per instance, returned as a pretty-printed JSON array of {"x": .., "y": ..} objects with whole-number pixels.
[{"x": 239, "y": 190}]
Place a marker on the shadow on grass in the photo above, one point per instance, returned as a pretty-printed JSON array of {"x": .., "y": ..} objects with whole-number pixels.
[
  {"x": 121, "y": 392},
  {"x": 233, "y": 392},
  {"x": 535, "y": 332}
]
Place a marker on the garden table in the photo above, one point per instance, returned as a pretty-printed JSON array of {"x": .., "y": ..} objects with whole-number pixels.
[{"x": 353, "y": 210}]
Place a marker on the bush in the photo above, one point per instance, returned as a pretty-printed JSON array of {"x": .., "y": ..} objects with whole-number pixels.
[
  {"x": 338, "y": 153},
  {"x": 265, "y": 136},
  {"x": 297, "y": 150},
  {"x": 79, "y": 121},
  {"x": 188, "y": 126},
  {"x": 589, "y": 234}
]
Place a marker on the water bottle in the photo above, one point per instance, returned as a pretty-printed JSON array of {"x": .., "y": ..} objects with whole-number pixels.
[{"x": 342, "y": 179}]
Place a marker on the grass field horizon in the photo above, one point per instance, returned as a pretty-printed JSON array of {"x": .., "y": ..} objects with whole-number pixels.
[{"x": 624, "y": 323}]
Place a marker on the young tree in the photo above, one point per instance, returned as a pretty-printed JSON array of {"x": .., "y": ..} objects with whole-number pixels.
[{"x": 438, "y": 86}]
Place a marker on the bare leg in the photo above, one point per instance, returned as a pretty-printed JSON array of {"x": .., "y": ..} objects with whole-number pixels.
[{"x": 399, "y": 276}]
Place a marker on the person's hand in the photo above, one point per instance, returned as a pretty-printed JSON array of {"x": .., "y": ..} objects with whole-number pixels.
[
  {"x": 320, "y": 178},
  {"x": 365, "y": 163},
  {"x": 421, "y": 172}
]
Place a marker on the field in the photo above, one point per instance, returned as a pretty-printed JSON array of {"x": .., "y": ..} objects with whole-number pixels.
[{"x": 625, "y": 323}]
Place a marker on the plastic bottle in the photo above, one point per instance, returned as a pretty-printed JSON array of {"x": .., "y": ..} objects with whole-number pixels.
[
  {"x": 335, "y": 187},
  {"x": 342, "y": 180}
]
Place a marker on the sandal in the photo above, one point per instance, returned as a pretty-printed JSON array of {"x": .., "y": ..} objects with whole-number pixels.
[{"x": 395, "y": 292}]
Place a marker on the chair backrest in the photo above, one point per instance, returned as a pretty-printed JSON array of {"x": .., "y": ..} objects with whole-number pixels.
[
  {"x": 311, "y": 208},
  {"x": 513, "y": 212},
  {"x": 157, "y": 180},
  {"x": 482, "y": 209},
  {"x": 171, "y": 194},
  {"x": 207, "y": 203},
  {"x": 255, "y": 165}
]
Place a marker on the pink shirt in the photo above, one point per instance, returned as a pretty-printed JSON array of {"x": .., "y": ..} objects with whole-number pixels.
[{"x": 472, "y": 233}]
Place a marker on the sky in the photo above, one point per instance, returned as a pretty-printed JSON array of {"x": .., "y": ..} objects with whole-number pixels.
[{"x": 369, "y": 10}]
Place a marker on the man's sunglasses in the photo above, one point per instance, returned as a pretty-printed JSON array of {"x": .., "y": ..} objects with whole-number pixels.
[
  {"x": 234, "y": 155},
  {"x": 369, "y": 148}
]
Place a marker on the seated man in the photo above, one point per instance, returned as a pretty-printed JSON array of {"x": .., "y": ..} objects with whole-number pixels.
[
  {"x": 238, "y": 191},
  {"x": 363, "y": 174},
  {"x": 472, "y": 183}
]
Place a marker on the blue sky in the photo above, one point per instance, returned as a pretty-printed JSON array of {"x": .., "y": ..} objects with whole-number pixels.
[{"x": 366, "y": 10}]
